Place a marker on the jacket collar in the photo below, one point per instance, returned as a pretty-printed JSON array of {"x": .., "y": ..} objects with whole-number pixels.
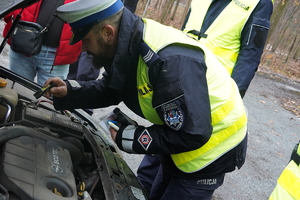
[{"x": 130, "y": 37}]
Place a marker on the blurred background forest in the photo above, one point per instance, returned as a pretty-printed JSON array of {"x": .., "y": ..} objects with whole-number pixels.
[{"x": 281, "y": 56}]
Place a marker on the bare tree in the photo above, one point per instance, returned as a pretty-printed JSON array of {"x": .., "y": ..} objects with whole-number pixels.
[
  {"x": 175, "y": 10},
  {"x": 146, "y": 7},
  {"x": 158, "y": 4},
  {"x": 295, "y": 44},
  {"x": 166, "y": 10},
  {"x": 284, "y": 39},
  {"x": 186, "y": 10}
]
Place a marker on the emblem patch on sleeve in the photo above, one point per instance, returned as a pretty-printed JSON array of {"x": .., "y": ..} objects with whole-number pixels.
[
  {"x": 145, "y": 139},
  {"x": 173, "y": 115}
]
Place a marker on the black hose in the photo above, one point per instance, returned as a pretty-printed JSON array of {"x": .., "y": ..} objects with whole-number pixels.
[
  {"x": 12, "y": 107},
  {"x": 76, "y": 142},
  {"x": 8, "y": 111}
]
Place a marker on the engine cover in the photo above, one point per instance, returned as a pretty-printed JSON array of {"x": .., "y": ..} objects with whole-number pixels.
[{"x": 34, "y": 168}]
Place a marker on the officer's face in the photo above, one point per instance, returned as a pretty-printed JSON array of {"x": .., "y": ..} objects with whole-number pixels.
[
  {"x": 100, "y": 46},
  {"x": 93, "y": 44}
]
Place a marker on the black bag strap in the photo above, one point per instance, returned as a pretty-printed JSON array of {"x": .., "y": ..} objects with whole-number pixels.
[
  {"x": 295, "y": 156},
  {"x": 52, "y": 16},
  {"x": 15, "y": 21},
  {"x": 198, "y": 33}
]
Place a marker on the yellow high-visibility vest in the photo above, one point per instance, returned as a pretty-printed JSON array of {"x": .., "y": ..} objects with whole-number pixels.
[
  {"x": 288, "y": 184},
  {"x": 223, "y": 35},
  {"x": 229, "y": 118}
]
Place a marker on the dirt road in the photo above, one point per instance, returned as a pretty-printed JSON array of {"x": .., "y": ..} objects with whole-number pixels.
[{"x": 273, "y": 132}]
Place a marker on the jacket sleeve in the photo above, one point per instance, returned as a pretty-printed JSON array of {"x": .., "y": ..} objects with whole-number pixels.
[
  {"x": 182, "y": 103},
  {"x": 253, "y": 40},
  {"x": 87, "y": 95}
]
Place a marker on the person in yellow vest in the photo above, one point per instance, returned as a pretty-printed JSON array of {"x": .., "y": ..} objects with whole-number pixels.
[
  {"x": 288, "y": 184},
  {"x": 199, "y": 123},
  {"x": 235, "y": 31}
]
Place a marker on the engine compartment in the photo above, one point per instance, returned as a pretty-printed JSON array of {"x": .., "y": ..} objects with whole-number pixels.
[
  {"x": 49, "y": 154},
  {"x": 43, "y": 157},
  {"x": 38, "y": 168}
]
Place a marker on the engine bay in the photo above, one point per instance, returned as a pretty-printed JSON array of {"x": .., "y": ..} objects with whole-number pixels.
[
  {"x": 49, "y": 154},
  {"x": 38, "y": 167}
]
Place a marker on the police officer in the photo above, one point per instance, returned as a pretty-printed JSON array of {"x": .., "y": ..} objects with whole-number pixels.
[
  {"x": 235, "y": 31},
  {"x": 199, "y": 121},
  {"x": 83, "y": 69}
]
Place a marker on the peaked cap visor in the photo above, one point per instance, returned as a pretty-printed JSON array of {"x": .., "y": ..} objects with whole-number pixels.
[
  {"x": 82, "y": 15},
  {"x": 80, "y": 33}
]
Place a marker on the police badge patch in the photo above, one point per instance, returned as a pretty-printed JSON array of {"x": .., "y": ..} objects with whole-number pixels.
[
  {"x": 173, "y": 115},
  {"x": 145, "y": 139}
]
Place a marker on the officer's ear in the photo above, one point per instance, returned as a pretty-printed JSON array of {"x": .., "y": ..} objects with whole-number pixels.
[{"x": 108, "y": 33}]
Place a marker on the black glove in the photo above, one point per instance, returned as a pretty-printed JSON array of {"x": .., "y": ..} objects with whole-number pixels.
[{"x": 123, "y": 119}]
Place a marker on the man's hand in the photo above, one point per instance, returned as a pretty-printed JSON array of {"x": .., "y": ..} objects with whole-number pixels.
[{"x": 59, "y": 90}]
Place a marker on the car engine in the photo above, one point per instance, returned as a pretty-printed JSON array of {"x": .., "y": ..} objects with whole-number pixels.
[
  {"x": 38, "y": 168},
  {"x": 47, "y": 154}
]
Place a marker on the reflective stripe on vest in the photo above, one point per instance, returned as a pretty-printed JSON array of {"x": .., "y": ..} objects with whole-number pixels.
[
  {"x": 223, "y": 43},
  {"x": 228, "y": 114},
  {"x": 288, "y": 184}
]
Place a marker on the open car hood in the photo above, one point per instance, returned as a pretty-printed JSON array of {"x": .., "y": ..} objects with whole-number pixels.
[
  {"x": 50, "y": 154},
  {"x": 7, "y": 6}
]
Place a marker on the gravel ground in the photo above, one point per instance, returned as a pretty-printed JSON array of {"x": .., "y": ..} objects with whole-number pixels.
[
  {"x": 273, "y": 132},
  {"x": 273, "y": 111}
]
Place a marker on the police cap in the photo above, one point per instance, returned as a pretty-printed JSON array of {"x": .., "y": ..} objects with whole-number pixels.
[{"x": 82, "y": 15}]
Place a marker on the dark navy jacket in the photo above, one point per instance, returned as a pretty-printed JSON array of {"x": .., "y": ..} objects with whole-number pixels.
[{"x": 180, "y": 70}]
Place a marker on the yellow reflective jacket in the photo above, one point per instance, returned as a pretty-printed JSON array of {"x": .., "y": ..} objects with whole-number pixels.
[
  {"x": 223, "y": 43},
  {"x": 229, "y": 118},
  {"x": 288, "y": 184}
]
